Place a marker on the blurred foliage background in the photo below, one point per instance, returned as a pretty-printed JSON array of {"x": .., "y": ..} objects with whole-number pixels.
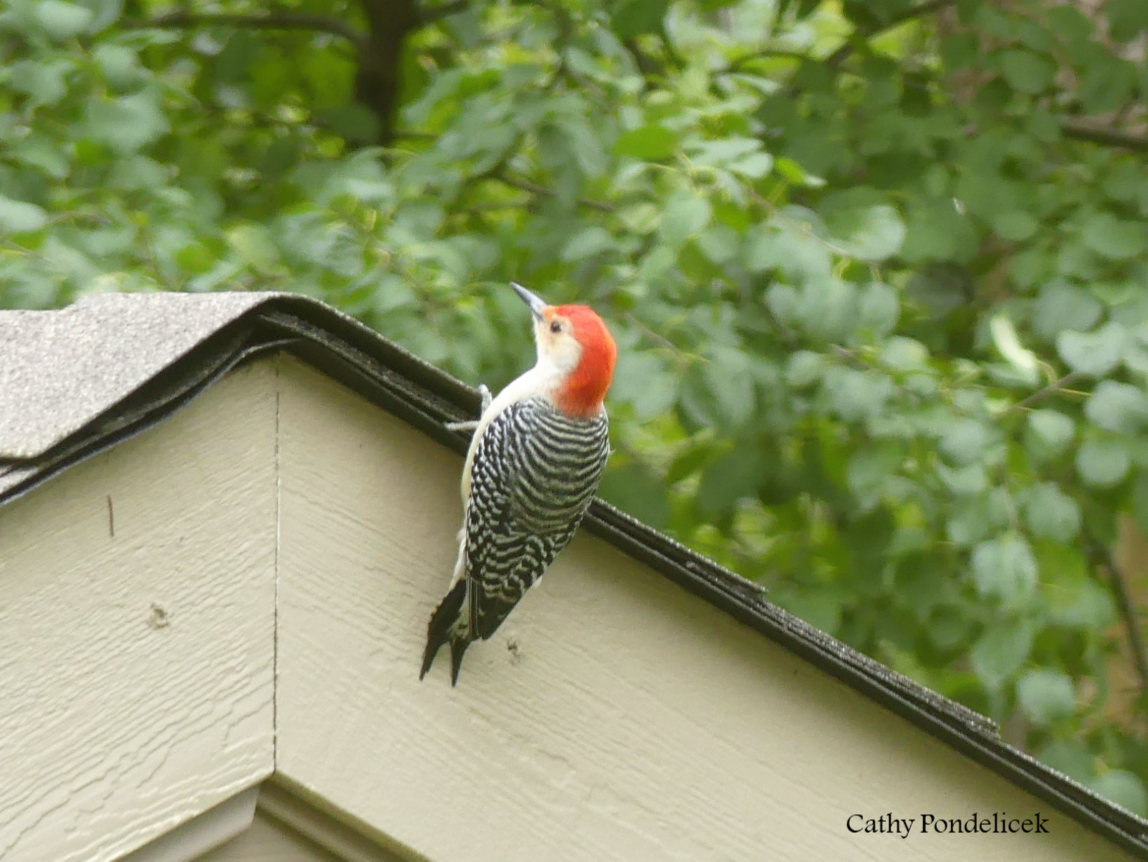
[{"x": 877, "y": 270}]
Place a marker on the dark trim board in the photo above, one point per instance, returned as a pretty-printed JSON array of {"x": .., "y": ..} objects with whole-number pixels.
[{"x": 426, "y": 397}]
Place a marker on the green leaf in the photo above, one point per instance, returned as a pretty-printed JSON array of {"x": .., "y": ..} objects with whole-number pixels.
[
  {"x": 804, "y": 368},
  {"x": 1074, "y": 598},
  {"x": 720, "y": 391},
  {"x": 974, "y": 519},
  {"x": 39, "y": 152},
  {"x": 1061, "y": 307},
  {"x": 1046, "y": 695},
  {"x": 637, "y": 490},
  {"x": 1123, "y": 788},
  {"x": 1092, "y": 353},
  {"x": 936, "y": 230},
  {"x": 826, "y": 308},
  {"x": 195, "y": 258},
  {"x": 255, "y": 247},
  {"x": 723, "y": 152},
  {"x": 20, "y": 216},
  {"x": 120, "y": 66},
  {"x": 1014, "y": 225},
  {"x": 719, "y": 243},
  {"x": 733, "y": 476},
  {"x": 1113, "y": 238},
  {"x": 685, "y": 214},
  {"x": 1004, "y": 568},
  {"x": 128, "y": 123},
  {"x": 856, "y": 395},
  {"x": 1005, "y": 338},
  {"x": 1108, "y": 82},
  {"x": 782, "y": 301},
  {"x": 642, "y": 380},
  {"x": 970, "y": 479},
  {"x": 1118, "y": 407},
  {"x": 964, "y": 441},
  {"x": 878, "y": 308},
  {"x": 650, "y": 143},
  {"x": 1049, "y": 434},
  {"x": 904, "y": 354},
  {"x": 1001, "y": 651},
  {"x": 1127, "y": 19},
  {"x": 1050, "y": 513},
  {"x": 873, "y": 234},
  {"x": 755, "y": 165},
  {"x": 44, "y": 83},
  {"x": 106, "y": 12},
  {"x": 1072, "y": 758},
  {"x": 1140, "y": 501},
  {"x": 635, "y": 17},
  {"x": 948, "y": 626},
  {"x": 352, "y": 121},
  {"x": 820, "y": 608},
  {"x": 869, "y": 471},
  {"x": 731, "y": 385},
  {"x": 1102, "y": 462},
  {"x": 1026, "y": 71},
  {"x": 60, "y": 20},
  {"x": 587, "y": 243}
]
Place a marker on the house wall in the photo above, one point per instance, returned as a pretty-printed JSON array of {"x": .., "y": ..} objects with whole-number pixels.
[
  {"x": 269, "y": 841},
  {"x": 137, "y": 604},
  {"x": 614, "y": 716}
]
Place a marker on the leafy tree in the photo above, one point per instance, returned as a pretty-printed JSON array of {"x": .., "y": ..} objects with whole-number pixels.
[{"x": 877, "y": 271}]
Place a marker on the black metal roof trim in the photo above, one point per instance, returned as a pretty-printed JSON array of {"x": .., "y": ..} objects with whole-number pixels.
[{"x": 427, "y": 397}]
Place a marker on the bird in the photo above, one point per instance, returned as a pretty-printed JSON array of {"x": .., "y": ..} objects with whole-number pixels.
[{"x": 531, "y": 472}]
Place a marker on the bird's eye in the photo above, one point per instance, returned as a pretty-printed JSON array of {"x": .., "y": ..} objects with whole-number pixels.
[{"x": 555, "y": 326}]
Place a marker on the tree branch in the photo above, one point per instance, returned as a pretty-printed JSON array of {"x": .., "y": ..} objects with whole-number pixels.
[
  {"x": 1127, "y": 612},
  {"x": 838, "y": 57},
  {"x": 1057, "y": 385},
  {"x": 536, "y": 189},
  {"x": 1079, "y": 131},
  {"x": 271, "y": 21},
  {"x": 737, "y": 63}
]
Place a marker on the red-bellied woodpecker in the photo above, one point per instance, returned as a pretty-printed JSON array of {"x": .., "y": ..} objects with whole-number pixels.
[{"x": 530, "y": 475}]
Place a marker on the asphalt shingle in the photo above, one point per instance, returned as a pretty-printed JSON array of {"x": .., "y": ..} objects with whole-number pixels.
[{"x": 60, "y": 369}]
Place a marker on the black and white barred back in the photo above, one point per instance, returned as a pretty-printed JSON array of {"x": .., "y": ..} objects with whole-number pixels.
[{"x": 534, "y": 474}]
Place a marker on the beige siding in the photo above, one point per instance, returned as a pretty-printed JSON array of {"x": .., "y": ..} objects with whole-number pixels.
[
  {"x": 268, "y": 841},
  {"x": 136, "y": 669},
  {"x": 614, "y": 717}
]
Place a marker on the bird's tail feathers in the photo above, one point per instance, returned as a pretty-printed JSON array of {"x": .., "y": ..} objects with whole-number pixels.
[
  {"x": 444, "y": 627},
  {"x": 457, "y": 649}
]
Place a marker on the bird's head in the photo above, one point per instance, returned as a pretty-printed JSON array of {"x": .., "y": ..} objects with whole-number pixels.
[{"x": 575, "y": 347}]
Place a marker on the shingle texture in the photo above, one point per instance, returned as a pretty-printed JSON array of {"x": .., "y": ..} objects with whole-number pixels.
[{"x": 61, "y": 369}]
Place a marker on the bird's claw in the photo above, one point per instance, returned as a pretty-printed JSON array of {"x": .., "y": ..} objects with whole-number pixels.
[{"x": 472, "y": 424}]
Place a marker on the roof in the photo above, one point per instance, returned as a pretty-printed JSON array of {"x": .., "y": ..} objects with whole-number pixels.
[{"x": 78, "y": 381}]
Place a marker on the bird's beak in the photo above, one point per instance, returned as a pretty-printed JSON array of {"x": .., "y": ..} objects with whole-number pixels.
[{"x": 535, "y": 302}]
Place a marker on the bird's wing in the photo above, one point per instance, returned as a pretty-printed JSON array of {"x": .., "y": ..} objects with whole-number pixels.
[{"x": 504, "y": 556}]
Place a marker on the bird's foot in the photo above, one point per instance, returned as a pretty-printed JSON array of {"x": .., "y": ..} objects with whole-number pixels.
[{"x": 472, "y": 424}]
